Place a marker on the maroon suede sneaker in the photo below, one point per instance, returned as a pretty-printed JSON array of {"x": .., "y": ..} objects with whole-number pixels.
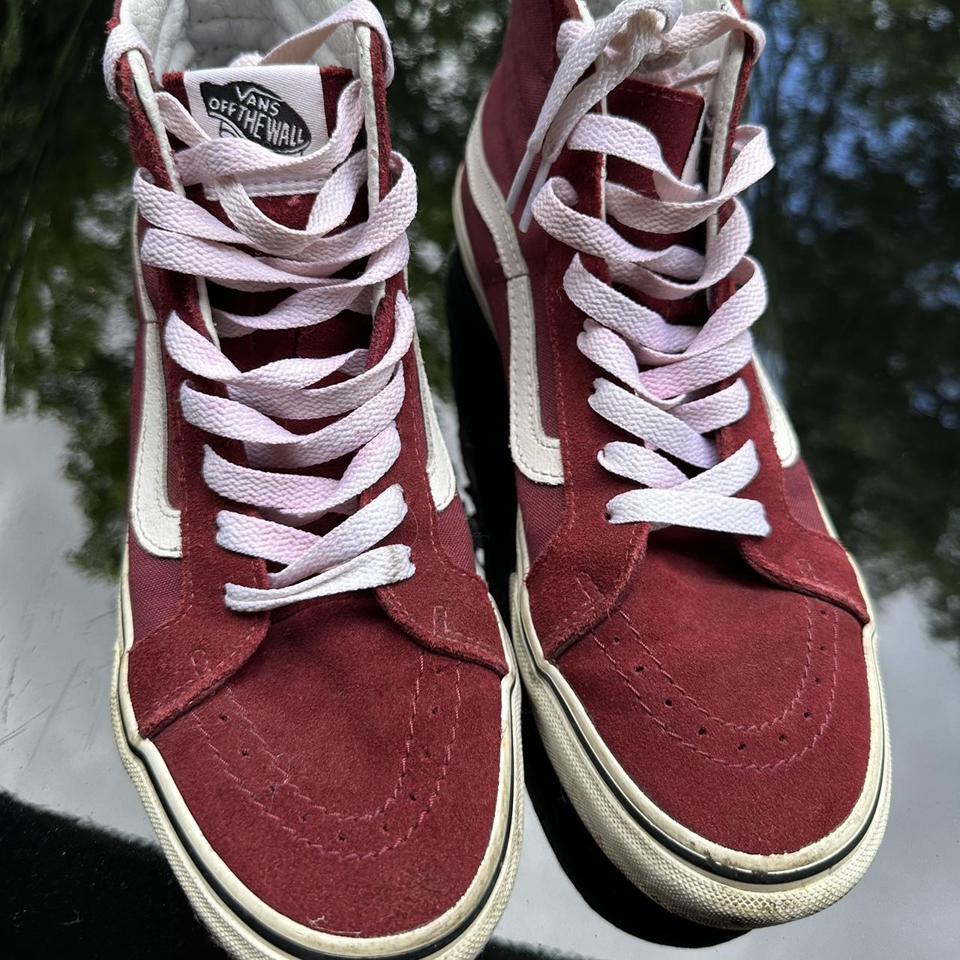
[
  {"x": 696, "y": 642},
  {"x": 315, "y": 696}
]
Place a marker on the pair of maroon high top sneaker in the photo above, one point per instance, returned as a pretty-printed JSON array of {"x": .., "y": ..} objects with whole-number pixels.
[{"x": 315, "y": 694}]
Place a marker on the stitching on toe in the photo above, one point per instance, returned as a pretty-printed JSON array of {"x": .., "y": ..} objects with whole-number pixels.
[
  {"x": 695, "y": 703},
  {"x": 765, "y": 767},
  {"x": 319, "y": 847},
  {"x": 315, "y": 805}
]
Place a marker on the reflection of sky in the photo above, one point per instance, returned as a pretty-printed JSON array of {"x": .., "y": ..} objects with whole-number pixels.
[{"x": 797, "y": 65}]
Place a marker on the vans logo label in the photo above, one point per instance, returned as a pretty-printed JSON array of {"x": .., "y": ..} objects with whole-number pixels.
[{"x": 251, "y": 110}]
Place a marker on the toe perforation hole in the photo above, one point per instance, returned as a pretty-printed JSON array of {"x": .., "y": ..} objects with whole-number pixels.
[
  {"x": 702, "y": 732},
  {"x": 742, "y": 746}
]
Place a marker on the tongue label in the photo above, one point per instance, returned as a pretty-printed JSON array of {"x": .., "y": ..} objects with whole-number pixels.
[{"x": 277, "y": 107}]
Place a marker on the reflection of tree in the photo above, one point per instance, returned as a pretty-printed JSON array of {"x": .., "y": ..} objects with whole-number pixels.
[
  {"x": 445, "y": 52},
  {"x": 854, "y": 228},
  {"x": 857, "y": 231},
  {"x": 62, "y": 225}
]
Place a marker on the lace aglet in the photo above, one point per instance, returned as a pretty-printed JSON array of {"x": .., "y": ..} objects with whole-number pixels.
[
  {"x": 526, "y": 217},
  {"x": 519, "y": 179},
  {"x": 543, "y": 172}
]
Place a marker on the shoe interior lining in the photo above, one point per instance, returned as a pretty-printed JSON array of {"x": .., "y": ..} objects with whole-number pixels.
[
  {"x": 196, "y": 34},
  {"x": 595, "y": 9},
  {"x": 600, "y": 8}
]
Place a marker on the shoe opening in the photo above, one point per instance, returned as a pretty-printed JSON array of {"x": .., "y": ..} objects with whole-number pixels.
[{"x": 195, "y": 34}]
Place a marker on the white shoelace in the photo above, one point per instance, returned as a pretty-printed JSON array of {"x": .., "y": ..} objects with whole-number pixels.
[
  {"x": 183, "y": 237},
  {"x": 663, "y": 376}
]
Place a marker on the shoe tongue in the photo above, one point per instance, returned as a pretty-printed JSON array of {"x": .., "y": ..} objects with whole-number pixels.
[
  {"x": 675, "y": 118},
  {"x": 289, "y": 109},
  {"x": 305, "y": 98},
  {"x": 277, "y": 107}
]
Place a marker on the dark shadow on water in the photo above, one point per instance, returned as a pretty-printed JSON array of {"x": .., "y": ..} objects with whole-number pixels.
[
  {"x": 70, "y": 889},
  {"x": 599, "y": 882},
  {"x": 84, "y": 892}
]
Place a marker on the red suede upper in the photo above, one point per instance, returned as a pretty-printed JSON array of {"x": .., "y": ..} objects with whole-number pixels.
[
  {"x": 725, "y": 673},
  {"x": 345, "y": 774},
  {"x": 740, "y": 709},
  {"x": 342, "y": 756}
]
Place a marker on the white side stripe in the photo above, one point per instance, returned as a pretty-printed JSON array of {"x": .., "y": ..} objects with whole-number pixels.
[
  {"x": 155, "y": 521},
  {"x": 784, "y": 436},
  {"x": 536, "y": 454},
  {"x": 443, "y": 481}
]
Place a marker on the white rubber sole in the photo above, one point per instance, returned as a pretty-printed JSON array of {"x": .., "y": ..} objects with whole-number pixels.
[
  {"x": 246, "y": 927},
  {"x": 685, "y": 873}
]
